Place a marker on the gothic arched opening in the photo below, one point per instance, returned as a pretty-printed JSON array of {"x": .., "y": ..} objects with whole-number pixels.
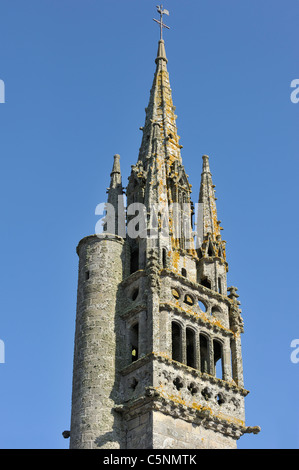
[
  {"x": 190, "y": 347},
  {"x": 176, "y": 333},
  {"x": 204, "y": 357},
  {"x": 217, "y": 346}
]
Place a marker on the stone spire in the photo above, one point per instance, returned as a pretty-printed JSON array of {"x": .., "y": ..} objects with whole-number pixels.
[
  {"x": 159, "y": 176},
  {"x": 115, "y": 198},
  {"x": 115, "y": 175},
  {"x": 212, "y": 266},
  {"x": 207, "y": 199},
  {"x": 162, "y": 111}
]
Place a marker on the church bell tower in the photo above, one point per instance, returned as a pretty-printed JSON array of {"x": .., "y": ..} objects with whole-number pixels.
[{"x": 157, "y": 357}]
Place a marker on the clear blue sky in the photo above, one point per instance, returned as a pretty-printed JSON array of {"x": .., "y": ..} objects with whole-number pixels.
[{"x": 77, "y": 77}]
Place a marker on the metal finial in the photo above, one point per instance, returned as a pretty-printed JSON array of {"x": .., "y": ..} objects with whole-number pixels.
[{"x": 162, "y": 25}]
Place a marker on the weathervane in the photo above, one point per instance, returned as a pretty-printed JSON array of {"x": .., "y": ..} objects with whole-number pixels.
[{"x": 162, "y": 25}]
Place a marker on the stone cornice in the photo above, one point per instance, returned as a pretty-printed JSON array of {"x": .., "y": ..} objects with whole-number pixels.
[
  {"x": 153, "y": 400},
  {"x": 196, "y": 374},
  {"x": 216, "y": 327},
  {"x": 185, "y": 281},
  {"x": 100, "y": 237},
  {"x": 194, "y": 285},
  {"x": 194, "y": 316}
]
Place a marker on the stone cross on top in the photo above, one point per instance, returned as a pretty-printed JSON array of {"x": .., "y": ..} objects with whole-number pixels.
[{"x": 162, "y": 25}]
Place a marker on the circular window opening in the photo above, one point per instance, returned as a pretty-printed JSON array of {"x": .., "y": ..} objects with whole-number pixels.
[{"x": 202, "y": 306}]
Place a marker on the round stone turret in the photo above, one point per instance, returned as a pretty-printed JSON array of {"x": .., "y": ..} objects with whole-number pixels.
[{"x": 93, "y": 422}]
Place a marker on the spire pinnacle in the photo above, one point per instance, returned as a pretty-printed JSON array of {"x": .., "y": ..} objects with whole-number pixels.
[
  {"x": 115, "y": 223},
  {"x": 161, "y": 52},
  {"x": 207, "y": 198},
  {"x": 205, "y": 164},
  {"x": 160, "y": 110},
  {"x": 115, "y": 174},
  {"x": 116, "y": 165}
]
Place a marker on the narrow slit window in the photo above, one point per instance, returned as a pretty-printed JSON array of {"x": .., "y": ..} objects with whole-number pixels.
[
  {"x": 134, "y": 337},
  {"x": 135, "y": 294},
  {"x": 134, "y": 260},
  {"x": 164, "y": 257}
]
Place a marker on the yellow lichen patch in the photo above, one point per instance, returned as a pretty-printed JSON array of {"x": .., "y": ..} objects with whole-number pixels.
[
  {"x": 162, "y": 354},
  {"x": 175, "y": 260},
  {"x": 230, "y": 419},
  {"x": 177, "y": 399}
]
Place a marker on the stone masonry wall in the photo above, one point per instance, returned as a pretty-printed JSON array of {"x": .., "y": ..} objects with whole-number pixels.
[{"x": 171, "y": 433}]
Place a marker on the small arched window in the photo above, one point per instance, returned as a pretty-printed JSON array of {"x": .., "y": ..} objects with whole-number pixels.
[
  {"x": 176, "y": 333},
  {"x": 204, "y": 353},
  {"x": 184, "y": 272},
  {"x": 210, "y": 250},
  {"x": 217, "y": 346},
  {"x": 202, "y": 306},
  {"x": 190, "y": 347}
]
